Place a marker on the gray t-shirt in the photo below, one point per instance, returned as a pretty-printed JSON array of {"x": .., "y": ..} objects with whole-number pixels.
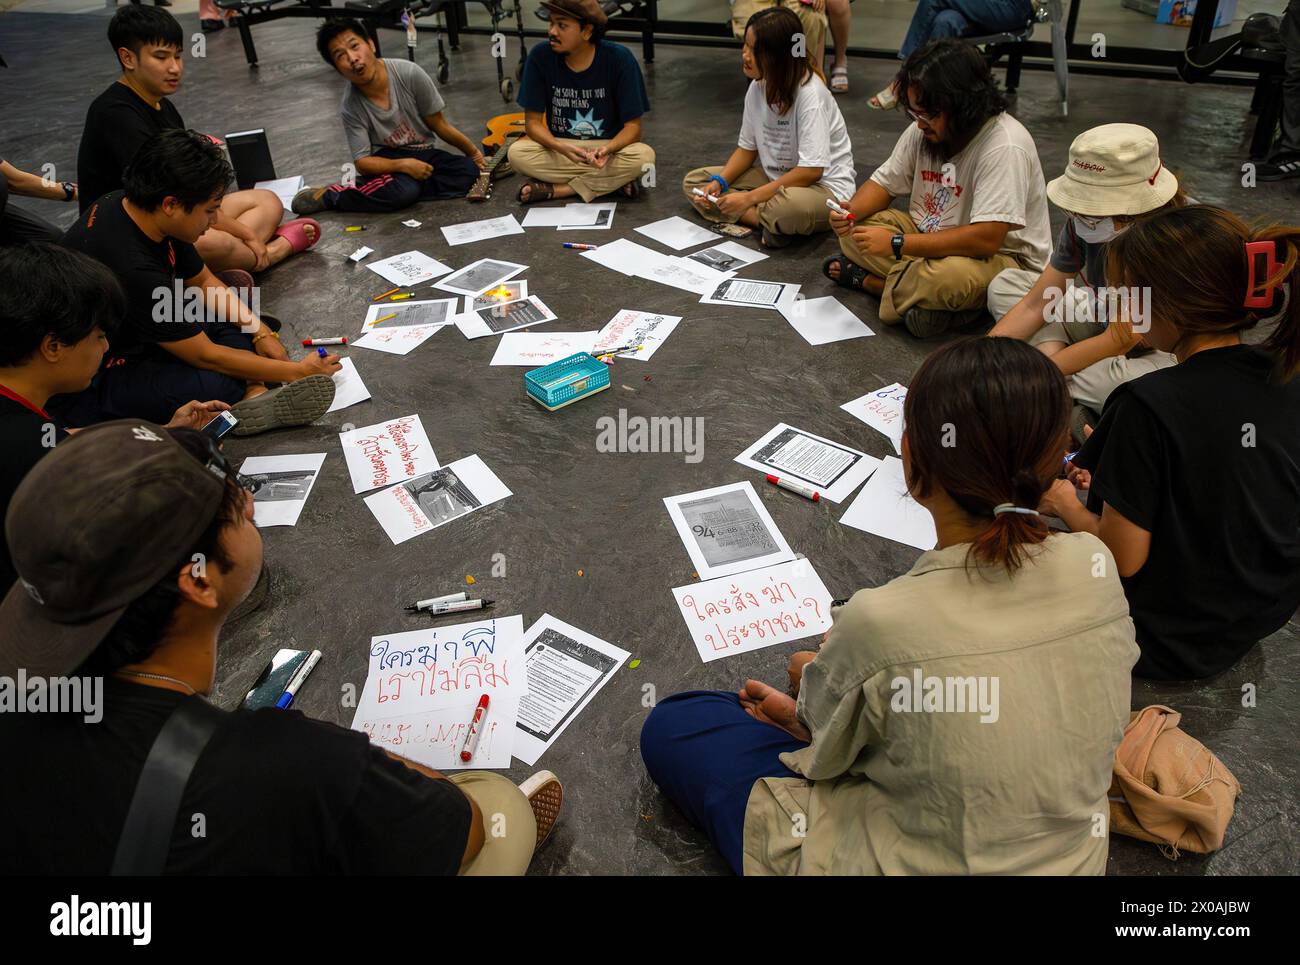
[{"x": 412, "y": 97}]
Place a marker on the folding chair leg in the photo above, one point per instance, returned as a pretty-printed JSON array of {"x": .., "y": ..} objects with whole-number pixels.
[
  {"x": 246, "y": 35},
  {"x": 1013, "y": 68}
]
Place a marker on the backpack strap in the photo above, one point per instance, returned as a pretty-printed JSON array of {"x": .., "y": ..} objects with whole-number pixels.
[{"x": 147, "y": 832}]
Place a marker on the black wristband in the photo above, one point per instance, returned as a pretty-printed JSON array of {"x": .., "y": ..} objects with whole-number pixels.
[
  {"x": 68, "y": 190},
  {"x": 896, "y": 243}
]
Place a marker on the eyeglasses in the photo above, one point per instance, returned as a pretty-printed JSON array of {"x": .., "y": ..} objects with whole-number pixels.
[
  {"x": 918, "y": 116},
  {"x": 219, "y": 466}
]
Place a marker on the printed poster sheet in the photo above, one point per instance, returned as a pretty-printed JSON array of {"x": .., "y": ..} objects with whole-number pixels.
[
  {"x": 566, "y": 669},
  {"x": 832, "y": 469},
  {"x": 727, "y": 530},
  {"x": 435, "y": 498}
]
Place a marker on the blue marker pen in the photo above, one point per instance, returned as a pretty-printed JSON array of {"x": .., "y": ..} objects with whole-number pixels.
[
  {"x": 1069, "y": 459},
  {"x": 296, "y": 681},
  {"x": 321, "y": 352}
]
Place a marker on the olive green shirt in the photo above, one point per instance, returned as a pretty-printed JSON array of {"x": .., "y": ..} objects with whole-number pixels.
[{"x": 998, "y": 763}]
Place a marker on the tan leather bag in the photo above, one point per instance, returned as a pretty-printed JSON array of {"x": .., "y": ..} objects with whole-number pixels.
[{"x": 1168, "y": 787}]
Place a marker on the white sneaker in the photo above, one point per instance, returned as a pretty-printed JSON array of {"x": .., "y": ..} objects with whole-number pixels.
[{"x": 545, "y": 795}]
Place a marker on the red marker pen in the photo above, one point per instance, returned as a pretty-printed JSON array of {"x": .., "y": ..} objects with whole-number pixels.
[
  {"x": 795, "y": 487},
  {"x": 341, "y": 340},
  {"x": 471, "y": 739}
]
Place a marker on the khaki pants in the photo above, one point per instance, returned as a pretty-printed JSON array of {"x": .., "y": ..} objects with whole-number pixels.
[
  {"x": 1070, "y": 321},
  {"x": 542, "y": 164},
  {"x": 952, "y": 284},
  {"x": 791, "y": 211},
  {"x": 509, "y": 828},
  {"x": 814, "y": 24}
]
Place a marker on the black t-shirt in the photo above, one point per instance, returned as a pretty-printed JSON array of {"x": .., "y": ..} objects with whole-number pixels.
[
  {"x": 274, "y": 792},
  {"x": 591, "y": 105},
  {"x": 148, "y": 271},
  {"x": 26, "y": 435},
  {"x": 117, "y": 123},
  {"x": 1205, "y": 456}
]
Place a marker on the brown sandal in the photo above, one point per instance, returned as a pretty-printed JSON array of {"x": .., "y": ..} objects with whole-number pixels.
[
  {"x": 631, "y": 190},
  {"x": 537, "y": 191}
]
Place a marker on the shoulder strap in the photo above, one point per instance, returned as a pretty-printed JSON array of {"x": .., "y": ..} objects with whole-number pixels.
[{"x": 147, "y": 833}]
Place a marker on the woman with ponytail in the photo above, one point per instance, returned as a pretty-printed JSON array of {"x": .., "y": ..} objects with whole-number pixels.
[
  {"x": 962, "y": 718},
  {"x": 1192, "y": 478}
]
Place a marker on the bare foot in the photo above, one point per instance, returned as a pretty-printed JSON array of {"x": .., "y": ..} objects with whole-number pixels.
[{"x": 253, "y": 390}]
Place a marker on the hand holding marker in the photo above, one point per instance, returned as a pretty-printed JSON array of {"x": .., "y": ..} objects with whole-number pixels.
[{"x": 836, "y": 206}]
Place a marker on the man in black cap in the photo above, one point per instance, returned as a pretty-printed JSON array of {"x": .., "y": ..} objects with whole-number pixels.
[
  {"x": 583, "y": 99},
  {"x": 132, "y": 545}
]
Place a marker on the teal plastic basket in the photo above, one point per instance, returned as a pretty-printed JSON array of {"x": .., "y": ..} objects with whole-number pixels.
[{"x": 566, "y": 381}]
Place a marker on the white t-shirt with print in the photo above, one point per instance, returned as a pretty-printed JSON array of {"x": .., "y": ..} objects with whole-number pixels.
[
  {"x": 811, "y": 134},
  {"x": 996, "y": 177}
]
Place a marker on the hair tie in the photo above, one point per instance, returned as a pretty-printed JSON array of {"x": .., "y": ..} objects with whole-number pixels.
[
  {"x": 1012, "y": 508},
  {"x": 1261, "y": 266}
]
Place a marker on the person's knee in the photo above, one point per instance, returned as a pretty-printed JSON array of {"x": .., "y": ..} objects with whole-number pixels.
[
  {"x": 949, "y": 23},
  {"x": 403, "y": 191},
  {"x": 523, "y": 153},
  {"x": 268, "y": 201}
]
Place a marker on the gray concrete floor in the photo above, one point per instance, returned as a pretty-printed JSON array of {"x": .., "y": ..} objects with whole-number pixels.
[{"x": 338, "y": 580}]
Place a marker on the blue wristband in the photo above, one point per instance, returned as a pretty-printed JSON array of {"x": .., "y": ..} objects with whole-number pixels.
[{"x": 719, "y": 178}]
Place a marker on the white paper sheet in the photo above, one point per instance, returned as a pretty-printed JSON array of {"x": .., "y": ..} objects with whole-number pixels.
[
  {"x": 644, "y": 329},
  {"x": 761, "y": 608},
  {"x": 727, "y": 530},
  {"x": 823, "y": 320},
  {"x": 387, "y": 452},
  {"x": 435, "y": 738},
  {"x": 468, "y": 231},
  {"x": 445, "y": 666},
  {"x": 886, "y": 508},
  {"x": 547, "y": 217},
  {"x": 505, "y": 317},
  {"x": 410, "y": 314},
  {"x": 409, "y": 268},
  {"x": 427, "y": 502},
  {"x": 677, "y": 233},
  {"x": 621, "y": 255},
  {"x": 566, "y": 669},
  {"x": 284, "y": 189},
  {"x": 597, "y": 216},
  {"x": 728, "y": 256},
  {"x": 883, "y": 411},
  {"x": 396, "y": 341},
  {"x": 834, "y": 470},
  {"x": 478, "y": 277},
  {"x": 348, "y": 387},
  {"x": 412, "y": 223},
  {"x": 752, "y": 293},
  {"x": 361, "y": 253},
  {"x": 541, "y": 348},
  {"x": 283, "y": 485},
  {"x": 680, "y": 273}
]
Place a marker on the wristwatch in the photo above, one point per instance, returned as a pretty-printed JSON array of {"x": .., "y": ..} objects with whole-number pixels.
[
  {"x": 896, "y": 243},
  {"x": 69, "y": 189}
]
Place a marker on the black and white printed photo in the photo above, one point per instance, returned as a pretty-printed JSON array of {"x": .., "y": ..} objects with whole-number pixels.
[
  {"x": 271, "y": 487},
  {"x": 441, "y": 495}
]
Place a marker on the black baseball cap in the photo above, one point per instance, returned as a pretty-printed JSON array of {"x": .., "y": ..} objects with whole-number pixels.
[{"x": 91, "y": 529}]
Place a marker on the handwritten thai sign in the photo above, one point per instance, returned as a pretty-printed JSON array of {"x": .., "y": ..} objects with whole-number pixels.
[
  {"x": 387, "y": 453},
  {"x": 883, "y": 411},
  {"x": 756, "y": 609},
  {"x": 423, "y": 670}
]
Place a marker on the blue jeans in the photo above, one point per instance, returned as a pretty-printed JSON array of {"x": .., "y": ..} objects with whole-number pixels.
[
  {"x": 936, "y": 19},
  {"x": 705, "y": 753}
]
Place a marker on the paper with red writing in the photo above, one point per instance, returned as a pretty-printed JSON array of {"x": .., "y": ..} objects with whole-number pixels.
[
  {"x": 434, "y": 738},
  {"x": 541, "y": 348},
  {"x": 387, "y": 452},
  {"x": 395, "y": 341},
  {"x": 883, "y": 411},
  {"x": 445, "y": 666},
  {"x": 760, "y": 608},
  {"x": 428, "y": 501}
]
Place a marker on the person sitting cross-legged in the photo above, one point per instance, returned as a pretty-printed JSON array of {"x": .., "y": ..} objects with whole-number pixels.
[
  {"x": 186, "y": 335},
  {"x": 978, "y": 201},
  {"x": 392, "y": 116},
  {"x": 583, "y": 99}
]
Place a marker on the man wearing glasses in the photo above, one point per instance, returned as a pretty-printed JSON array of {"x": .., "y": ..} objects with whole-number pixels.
[{"x": 977, "y": 199}]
